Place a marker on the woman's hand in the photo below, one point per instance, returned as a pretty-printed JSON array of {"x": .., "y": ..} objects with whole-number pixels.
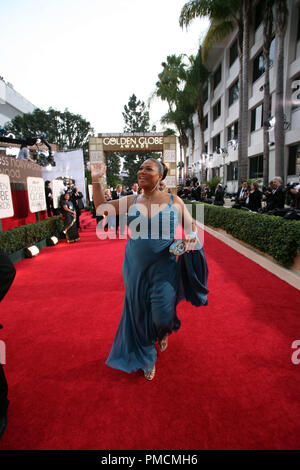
[
  {"x": 189, "y": 242},
  {"x": 98, "y": 171}
]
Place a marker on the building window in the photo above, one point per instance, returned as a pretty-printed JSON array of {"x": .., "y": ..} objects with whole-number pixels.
[
  {"x": 205, "y": 122},
  {"x": 216, "y": 142},
  {"x": 257, "y": 118},
  {"x": 259, "y": 13},
  {"x": 259, "y": 62},
  {"x": 217, "y": 76},
  {"x": 215, "y": 172},
  {"x": 233, "y": 53},
  {"x": 234, "y": 92},
  {"x": 217, "y": 110},
  {"x": 256, "y": 167},
  {"x": 232, "y": 171},
  {"x": 233, "y": 131},
  {"x": 293, "y": 150},
  {"x": 258, "y": 66},
  {"x": 206, "y": 148},
  {"x": 296, "y": 96}
]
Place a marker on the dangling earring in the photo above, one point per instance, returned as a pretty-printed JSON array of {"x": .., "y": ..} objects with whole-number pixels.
[{"x": 158, "y": 181}]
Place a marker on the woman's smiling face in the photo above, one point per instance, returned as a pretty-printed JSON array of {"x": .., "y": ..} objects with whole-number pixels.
[{"x": 148, "y": 174}]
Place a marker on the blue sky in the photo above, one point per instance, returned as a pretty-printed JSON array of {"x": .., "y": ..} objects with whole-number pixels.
[{"x": 90, "y": 55}]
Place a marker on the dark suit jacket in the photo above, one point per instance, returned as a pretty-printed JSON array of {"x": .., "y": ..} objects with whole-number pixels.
[
  {"x": 277, "y": 199},
  {"x": 240, "y": 190},
  {"x": 255, "y": 200},
  {"x": 115, "y": 196},
  {"x": 77, "y": 200}
]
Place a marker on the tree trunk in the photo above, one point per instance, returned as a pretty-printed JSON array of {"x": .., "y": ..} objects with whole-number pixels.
[
  {"x": 184, "y": 141},
  {"x": 202, "y": 143},
  {"x": 281, "y": 25},
  {"x": 279, "y": 112},
  {"x": 241, "y": 88},
  {"x": 243, "y": 166},
  {"x": 268, "y": 29},
  {"x": 193, "y": 140}
]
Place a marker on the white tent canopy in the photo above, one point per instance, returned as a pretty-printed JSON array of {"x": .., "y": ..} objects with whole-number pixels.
[{"x": 69, "y": 164}]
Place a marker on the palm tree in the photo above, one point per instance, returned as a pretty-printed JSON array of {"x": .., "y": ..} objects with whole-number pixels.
[
  {"x": 196, "y": 87},
  {"x": 225, "y": 16},
  {"x": 168, "y": 88},
  {"x": 170, "y": 79},
  {"x": 268, "y": 37},
  {"x": 181, "y": 117},
  {"x": 281, "y": 17}
]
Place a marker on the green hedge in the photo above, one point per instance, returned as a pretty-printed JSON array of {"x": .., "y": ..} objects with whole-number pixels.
[
  {"x": 20, "y": 237},
  {"x": 273, "y": 235}
]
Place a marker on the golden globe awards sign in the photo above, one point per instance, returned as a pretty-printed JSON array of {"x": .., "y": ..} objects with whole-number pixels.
[
  {"x": 57, "y": 191},
  {"x": 137, "y": 143},
  {"x": 36, "y": 194},
  {"x": 6, "y": 204}
]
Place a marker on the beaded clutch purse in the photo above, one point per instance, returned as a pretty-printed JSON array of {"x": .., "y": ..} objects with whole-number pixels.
[{"x": 177, "y": 248}]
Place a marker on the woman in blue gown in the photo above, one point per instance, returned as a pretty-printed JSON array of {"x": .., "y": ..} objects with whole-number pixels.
[{"x": 154, "y": 280}]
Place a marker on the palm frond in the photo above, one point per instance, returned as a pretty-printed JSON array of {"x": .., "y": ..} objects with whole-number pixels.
[
  {"x": 217, "y": 32},
  {"x": 194, "y": 9}
]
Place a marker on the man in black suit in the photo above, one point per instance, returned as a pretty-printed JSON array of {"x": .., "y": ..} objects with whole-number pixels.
[
  {"x": 76, "y": 198},
  {"x": 134, "y": 190},
  {"x": 277, "y": 198},
  {"x": 242, "y": 195},
  {"x": 7, "y": 275},
  {"x": 49, "y": 199},
  {"x": 117, "y": 194}
]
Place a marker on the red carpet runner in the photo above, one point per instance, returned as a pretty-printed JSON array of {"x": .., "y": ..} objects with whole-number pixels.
[{"x": 226, "y": 380}]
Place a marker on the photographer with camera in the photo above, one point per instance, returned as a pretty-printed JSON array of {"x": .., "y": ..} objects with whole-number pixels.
[
  {"x": 242, "y": 195},
  {"x": 294, "y": 192}
]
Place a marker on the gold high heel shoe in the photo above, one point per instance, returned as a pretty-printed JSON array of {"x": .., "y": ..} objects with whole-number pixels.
[
  {"x": 163, "y": 344},
  {"x": 151, "y": 374}
]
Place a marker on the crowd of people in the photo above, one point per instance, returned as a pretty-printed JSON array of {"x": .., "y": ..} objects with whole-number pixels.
[
  {"x": 265, "y": 199},
  {"x": 70, "y": 207}
]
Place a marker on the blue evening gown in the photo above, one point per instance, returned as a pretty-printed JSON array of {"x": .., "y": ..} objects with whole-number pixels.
[{"x": 154, "y": 284}]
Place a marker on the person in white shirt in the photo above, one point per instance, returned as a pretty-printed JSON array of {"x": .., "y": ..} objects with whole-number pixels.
[
  {"x": 24, "y": 153},
  {"x": 134, "y": 190}
]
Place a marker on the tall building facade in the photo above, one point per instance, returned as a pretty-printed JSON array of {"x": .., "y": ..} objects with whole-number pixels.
[
  {"x": 221, "y": 110},
  {"x": 12, "y": 103}
]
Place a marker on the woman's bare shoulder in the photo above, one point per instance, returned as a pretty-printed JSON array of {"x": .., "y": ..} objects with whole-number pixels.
[{"x": 178, "y": 200}]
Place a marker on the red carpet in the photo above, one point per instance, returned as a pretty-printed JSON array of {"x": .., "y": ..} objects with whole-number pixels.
[{"x": 226, "y": 380}]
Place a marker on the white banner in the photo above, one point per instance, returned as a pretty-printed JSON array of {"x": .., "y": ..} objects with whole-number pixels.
[
  {"x": 6, "y": 203},
  {"x": 57, "y": 190},
  {"x": 36, "y": 194},
  {"x": 69, "y": 165}
]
